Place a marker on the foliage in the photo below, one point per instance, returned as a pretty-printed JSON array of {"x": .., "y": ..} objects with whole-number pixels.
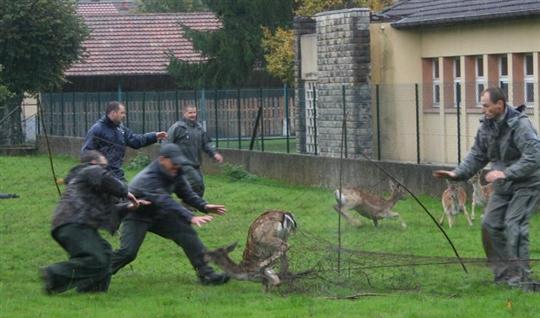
[
  {"x": 311, "y": 7},
  {"x": 138, "y": 162},
  {"x": 161, "y": 281},
  {"x": 234, "y": 51},
  {"x": 39, "y": 40},
  {"x": 170, "y": 5},
  {"x": 236, "y": 173},
  {"x": 279, "y": 48}
]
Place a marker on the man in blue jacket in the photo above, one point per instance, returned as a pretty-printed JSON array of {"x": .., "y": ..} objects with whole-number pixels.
[
  {"x": 167, "y": 217},
  {"x": 110, "y": 137}
]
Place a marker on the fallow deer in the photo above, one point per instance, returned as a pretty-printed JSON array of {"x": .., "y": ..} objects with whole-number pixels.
[
  {"x": 369, "y": 205},
  {"x": 266, "y": 243},
  {"x": 481, "y": 193},
  {"x": 453, "y": 200}
]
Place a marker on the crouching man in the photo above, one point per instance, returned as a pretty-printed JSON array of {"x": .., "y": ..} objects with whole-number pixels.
[
  {"x": 88, "y": 204},
  {"x": 167, "y": 217}
]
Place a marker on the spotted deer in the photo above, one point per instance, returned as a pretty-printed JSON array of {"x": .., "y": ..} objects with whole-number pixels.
[
  {"x": 481, "y": 193},
  {"x": 453, "y": 200},
  {"x": 369, "y": 205},
  {"x": 266, "y": 243}
]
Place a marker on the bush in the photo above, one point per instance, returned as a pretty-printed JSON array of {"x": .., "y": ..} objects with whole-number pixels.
[
  {"x": 140, "y": 161},
  {"x": 236, "y": 173}
]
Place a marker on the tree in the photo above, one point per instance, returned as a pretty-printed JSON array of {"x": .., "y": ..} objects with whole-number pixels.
[
  {"x": 39, "y": 40},
  {"x": 278, "y": 46},
  {"x": 171, "y": 5},
  {"x": 233, "y": 52}
]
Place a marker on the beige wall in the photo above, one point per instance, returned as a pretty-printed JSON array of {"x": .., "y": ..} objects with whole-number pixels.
[{"x": 396, "y": 57}]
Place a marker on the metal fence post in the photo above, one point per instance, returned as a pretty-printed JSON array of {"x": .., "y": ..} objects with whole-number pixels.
[
  {"x": 50, "y": 113},
  {"x": 262, "y": 117},
  {"x": 344, "y": 122},
  {"x": 315, "y": 119},
  {"x": 417, "y": 123},
  {"x": 159, "y": 110},
  {"x": 85, "y": 112},
  {"x": 216, "y": 117},
  {"x": 378, "y": 110},
  {"x": 458, "y": 115},
  {"x": 286, "y": 97},
  {"x": 127, "y": 109},
  {"x": 62, "y": 112},
  {"x": 144, "y": 111},
  {"x": 239, "y": 118},
  {"x": 73, "y": 125}
]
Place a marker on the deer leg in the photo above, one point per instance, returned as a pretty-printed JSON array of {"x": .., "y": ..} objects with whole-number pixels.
[
  {"x": 347, "y": 216},
  {"x": 472, "y": 209},
  {"x": 375, "y": 222},
  {"x": 467, "y": 215},
  {"x": 283, "y": 265},
  {"x": 393, "y": 214},
  {"x": 441, "y": 220},
  {"x": 450, "y": 220}
]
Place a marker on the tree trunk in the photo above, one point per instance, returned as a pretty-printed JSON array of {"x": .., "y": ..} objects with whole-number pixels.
[{"x": 11, "y": 132}]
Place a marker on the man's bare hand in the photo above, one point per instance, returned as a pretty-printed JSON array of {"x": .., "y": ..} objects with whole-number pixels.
[
  {"x": 200, "y": 220},
  {"x": 218, "y": 157},
  {"x": 216, "y": 208},
  {"x": 494, "y": 175},
  {"x": 161, "y": 135},
  {"x": 444, "y": 174}
]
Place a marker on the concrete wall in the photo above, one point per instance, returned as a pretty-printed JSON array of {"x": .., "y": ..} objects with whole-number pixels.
[{"x": 297, "y": 169}]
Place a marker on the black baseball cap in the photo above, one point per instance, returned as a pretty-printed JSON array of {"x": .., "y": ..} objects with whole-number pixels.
[{"x": 173, "y": 152}]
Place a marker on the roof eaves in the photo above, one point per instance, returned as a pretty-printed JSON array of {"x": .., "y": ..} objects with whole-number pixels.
[{"x": 404, "y": 24}]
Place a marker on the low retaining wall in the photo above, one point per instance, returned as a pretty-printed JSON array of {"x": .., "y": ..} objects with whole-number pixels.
[{"x": 297, "y": 169}]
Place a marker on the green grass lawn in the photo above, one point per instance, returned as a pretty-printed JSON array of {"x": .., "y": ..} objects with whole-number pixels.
[{"x": 160, "y": 282}]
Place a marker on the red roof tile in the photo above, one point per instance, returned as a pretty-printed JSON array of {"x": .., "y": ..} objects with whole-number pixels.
[
  {"x": 138, "y": 44},
  {"x": 99, "y": 8}
]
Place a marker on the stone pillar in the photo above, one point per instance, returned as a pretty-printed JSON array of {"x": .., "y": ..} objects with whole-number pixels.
[
  {"x": 302, "y": 26},
  {"x": 343, "y": 57}
]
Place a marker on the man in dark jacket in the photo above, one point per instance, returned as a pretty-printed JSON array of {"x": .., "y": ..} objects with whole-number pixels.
[
  {"x": 85, "y": 207},
  {"x": 192, "y": 139},
  {"x": 165, "y": 216},
  {"x": 110, "y": 137},
  {"x": 507, "y": 140}
]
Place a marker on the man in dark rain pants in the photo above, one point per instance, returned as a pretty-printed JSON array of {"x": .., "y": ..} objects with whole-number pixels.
[
  {"x": 88, "y": 204},
  {"x": 507, "y": 140},
  {"x": 165, "y": 216}
]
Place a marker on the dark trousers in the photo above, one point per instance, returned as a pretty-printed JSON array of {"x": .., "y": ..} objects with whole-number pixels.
[
  {"x": 133, "y": 232},
  {"x": 195, "y": 179},
  {"x": 506, "y": 234},
  {"x": 89, "y": 265}
]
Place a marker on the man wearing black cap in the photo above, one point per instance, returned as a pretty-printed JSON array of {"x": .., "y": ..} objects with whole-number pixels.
[{"x": 165, "y": 216}]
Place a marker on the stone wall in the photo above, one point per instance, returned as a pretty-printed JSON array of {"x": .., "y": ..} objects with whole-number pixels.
[
  {"x": 295, "y": 169},
  {"x": 343, "y": 62}
]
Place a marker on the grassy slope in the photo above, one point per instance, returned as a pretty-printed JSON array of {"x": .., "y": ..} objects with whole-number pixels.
[{"x": 160, "y": 283}]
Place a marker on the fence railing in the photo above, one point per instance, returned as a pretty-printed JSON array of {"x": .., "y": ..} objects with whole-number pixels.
[{"x": 235, "y": 118}]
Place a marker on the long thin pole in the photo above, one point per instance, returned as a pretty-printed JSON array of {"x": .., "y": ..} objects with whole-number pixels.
[
  {"x": 315, "y": 119},
  {"x": 262, "y": 117},
  {"x": 378, "y": 109},
  {"x": 286, "y": 98},
  {"x": 417, "y": 123},
  {"x": 40, "y": 110},
  {"x": 216, "y": 117},
  {"x": 238, "y": 117}
]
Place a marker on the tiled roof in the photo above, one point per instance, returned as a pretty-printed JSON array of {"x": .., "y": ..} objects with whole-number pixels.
[
  {"x": 138, "y": 44},
  {"x": 415, "y": 13},
  {"x": 96, "y": 9}
]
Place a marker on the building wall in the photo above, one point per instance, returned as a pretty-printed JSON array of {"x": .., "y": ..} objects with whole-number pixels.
[{"x": 401, "y": 58}]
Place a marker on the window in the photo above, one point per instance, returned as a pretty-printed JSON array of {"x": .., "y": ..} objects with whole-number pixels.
[
  {"x": 528, "y": 79},
  {"x": 436, "y": 83},
  {"x": 457, "y": 81},
  {"x": 503, "y": 74},
  {"x": 479, "y": 78}
]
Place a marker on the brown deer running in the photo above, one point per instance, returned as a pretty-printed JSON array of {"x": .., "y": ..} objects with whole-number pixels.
[
  {"x": 453, "y": 200},
  {"x": 369, "y": 205},
  {"x": 481, "y": 193},
  {"x": 266, "y": 243}
]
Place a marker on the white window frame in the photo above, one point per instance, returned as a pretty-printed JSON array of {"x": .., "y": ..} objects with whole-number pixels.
[
  {"x": 457, "y": 79},
  {"x": 436, "y": 82},
  {"x": 310, "y": 87},
  {"x": 503, "y": 79},
  {"x": 480, "y": 81},
  {"x": 528, "y": 79}
]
